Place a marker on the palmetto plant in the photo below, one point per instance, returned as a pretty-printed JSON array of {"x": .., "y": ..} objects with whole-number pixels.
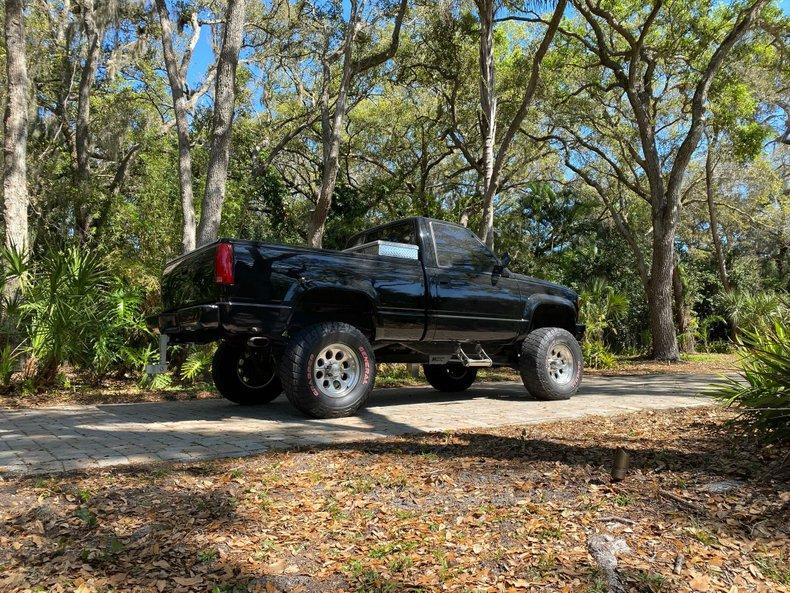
[
  {"x": 14, "y": 277},
  {"x": 601, "y": 307},
  {"x": 762, "y": 391},
  {"x": 756, "y": 310},
  {"x": 77, "y": 312},
  {"x": 197, "y": 363}
]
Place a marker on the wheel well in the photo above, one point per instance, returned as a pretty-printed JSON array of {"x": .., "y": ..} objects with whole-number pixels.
[
  {"x": 350, "y": 307},
  {"x": 553, "y": 315}
]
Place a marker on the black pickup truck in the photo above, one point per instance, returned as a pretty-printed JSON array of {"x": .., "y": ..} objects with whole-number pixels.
[{"x": 314, "y": 322}]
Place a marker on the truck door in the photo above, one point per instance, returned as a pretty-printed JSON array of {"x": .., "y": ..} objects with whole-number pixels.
[{"x": 468, "y": 302}]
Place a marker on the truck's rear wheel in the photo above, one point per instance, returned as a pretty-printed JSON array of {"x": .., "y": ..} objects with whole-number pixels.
[
  {"x": 328, "y": 370},
  {"x": 450, "y": 377},
  {"x": 551, "y": 363},
  {"x": 245, "y": 376}
]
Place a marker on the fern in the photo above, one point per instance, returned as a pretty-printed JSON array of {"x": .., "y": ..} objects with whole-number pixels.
[
  {"x": 160, "y": 382},
  {"x": 197, "y": 364}
]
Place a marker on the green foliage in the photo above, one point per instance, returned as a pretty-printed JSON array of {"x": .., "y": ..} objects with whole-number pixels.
[
  {"x": 10, "y": 357},
  {"x": 77, "y": 312},
  {"x": 597, "y": 355},
  {"x": 197, "y": 365},
  {"x": 756, "y": 311},
  {"x": 601, "y": 307},
  {"x": 762, "y": 392},
  {"x": 158, "y": 382}
]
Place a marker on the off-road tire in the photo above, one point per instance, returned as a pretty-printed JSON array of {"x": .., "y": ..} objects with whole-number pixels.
[
  {"x": 534, "y": 364},
  {"x": 263, "y": 384},
  {"x": 450, "y": 377},
  {"x": 298, "y": 370}
]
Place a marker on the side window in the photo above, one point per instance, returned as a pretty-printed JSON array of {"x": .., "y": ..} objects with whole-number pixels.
[{"x": 457, "y": 246}]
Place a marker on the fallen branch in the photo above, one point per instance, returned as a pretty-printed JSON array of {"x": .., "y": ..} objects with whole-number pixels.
[
  {"x": 617, "y": 520},
  {"x": 690, "y": 505}
]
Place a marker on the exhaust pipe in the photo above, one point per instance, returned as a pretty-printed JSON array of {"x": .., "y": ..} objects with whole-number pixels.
[{"x": 258, "y": 341}]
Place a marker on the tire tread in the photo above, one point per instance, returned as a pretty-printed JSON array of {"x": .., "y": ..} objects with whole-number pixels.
[
  {"x": 296, "y": 356},
  {"x": 535, "y": 380}
]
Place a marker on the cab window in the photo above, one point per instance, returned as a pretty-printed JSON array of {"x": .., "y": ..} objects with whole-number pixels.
[
  {"x": 397, "y": 233},
  {"x": 458, "y": 247}
]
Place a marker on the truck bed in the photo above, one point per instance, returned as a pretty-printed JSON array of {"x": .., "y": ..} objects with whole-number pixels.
[{"x": 272, "y": 283}]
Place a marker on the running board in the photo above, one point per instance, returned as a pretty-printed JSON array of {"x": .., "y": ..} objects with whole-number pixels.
[{"x": 478, "y": 359}]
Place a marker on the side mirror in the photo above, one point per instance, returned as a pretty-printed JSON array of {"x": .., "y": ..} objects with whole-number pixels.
[{"x": 499, "y": 269}]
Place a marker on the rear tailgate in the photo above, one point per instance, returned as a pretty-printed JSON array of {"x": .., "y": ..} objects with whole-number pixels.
[
  {"x": 189, "y": 280},
  {"x": 191, "y": 297}
]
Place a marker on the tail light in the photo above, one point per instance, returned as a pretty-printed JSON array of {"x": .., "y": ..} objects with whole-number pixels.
[{"x": 223, "y": 264}]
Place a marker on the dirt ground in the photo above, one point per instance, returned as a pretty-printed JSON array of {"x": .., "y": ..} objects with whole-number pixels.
[
  {"x": 511, "y": 509},
  {"x": 120, "y": 391}
]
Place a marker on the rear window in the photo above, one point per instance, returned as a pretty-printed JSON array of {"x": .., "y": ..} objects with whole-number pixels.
[
  {"x": 397, "y": 233},
  {"x": 456, "y": 246}
]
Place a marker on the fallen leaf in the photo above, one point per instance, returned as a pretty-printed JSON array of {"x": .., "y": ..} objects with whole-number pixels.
[{"x": 701, "y": 582}]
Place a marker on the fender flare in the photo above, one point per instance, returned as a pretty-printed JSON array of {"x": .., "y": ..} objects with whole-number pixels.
[
  {"x": 536, "y": 300},
  {"x": 345, "y": 295}
]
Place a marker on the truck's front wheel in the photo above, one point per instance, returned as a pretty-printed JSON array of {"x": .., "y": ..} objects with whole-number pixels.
[
  {"x": 328, "y": 370},
  {"x": 551, "y": 363},
  {"x": 245, "y": 376}
]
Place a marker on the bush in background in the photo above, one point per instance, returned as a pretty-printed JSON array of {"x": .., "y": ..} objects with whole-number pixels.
[
  {"x": 756, "y": 311},
  {"x": 601, "y": 307},
  {"x": 69, "y": 309},
  {"x": 75, "y": 311}
]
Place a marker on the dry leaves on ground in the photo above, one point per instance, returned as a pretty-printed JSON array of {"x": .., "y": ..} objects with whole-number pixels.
[{"x": 499, "y": 510}]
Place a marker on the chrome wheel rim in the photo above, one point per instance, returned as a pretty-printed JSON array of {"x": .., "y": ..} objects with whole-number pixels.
[
  {"x": 560, "y": 364},
  {"x": 255, "y": 370},
  {"x": 336, "y": 370}
]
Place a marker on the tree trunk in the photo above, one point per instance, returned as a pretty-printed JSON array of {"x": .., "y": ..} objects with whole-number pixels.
[
  {"x": 330, "y": 167},
  {"x": 721, "y": 264},
  {"x": 224, "y": 100},
  {"x": 659, "y": 294},
  {"x": 488, "y": 107},
  {"x": 177, "y": 79},
  {"x": 15, "y": 194},
  {"x": 330, "y": 140},
  {"x": 93, "y": 36},
  {"x": 686, "y": 342},
  {"x": 331, "y": 124}
]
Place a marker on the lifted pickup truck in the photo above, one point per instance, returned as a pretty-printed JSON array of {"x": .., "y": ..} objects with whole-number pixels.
[{"x": 314, "y": 322}]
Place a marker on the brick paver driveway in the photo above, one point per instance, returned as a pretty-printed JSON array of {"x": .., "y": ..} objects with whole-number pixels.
[{"x": 83, "y": 437}]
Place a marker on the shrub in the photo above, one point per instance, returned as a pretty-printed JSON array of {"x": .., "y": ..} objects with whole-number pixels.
[
  {"x": 197, "y": 365},
  {"x": 762, "y": 392},
  {"x": 719, "y": 347},
  {"x": 756, "y": 310},
  {"x": 601, "y": 307},
  {"x": 597, "y": 355},
  {"x": 705, "y": 330},
  {"x": 75, "y": 311}
]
